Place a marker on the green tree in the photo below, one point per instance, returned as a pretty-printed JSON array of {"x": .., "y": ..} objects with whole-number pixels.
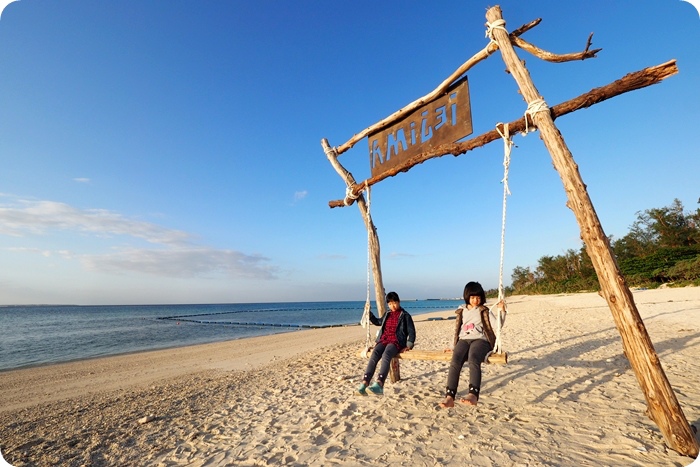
[
  {"x": 662, "y": 245},
  {"x": 667, "y": 227},
  {"x": 522, "y": 279}
]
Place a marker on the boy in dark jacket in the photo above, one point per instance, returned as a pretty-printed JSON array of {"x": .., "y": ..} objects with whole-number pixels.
[{"x": 397, "y": 334}]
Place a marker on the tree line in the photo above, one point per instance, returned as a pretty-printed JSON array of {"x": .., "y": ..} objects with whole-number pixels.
[{"x": 662, "y": 247}]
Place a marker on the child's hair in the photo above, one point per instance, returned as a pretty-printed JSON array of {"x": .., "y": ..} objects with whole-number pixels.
[
  {"x": 474, "y": 288},
  {"x": 392, "y": 297}
]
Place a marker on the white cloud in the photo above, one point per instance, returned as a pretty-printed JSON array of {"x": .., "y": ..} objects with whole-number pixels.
[
  {"x": 395, "y": 255},
  {"x": 38, "y": 251},
  {"x": 81, "y": 180},
  {"x": 40, "y": 217},
  {"x": 183, "y": 263},
  {"x": 65, "y": 254},
  {"x": 299, "y": 195},
  {"x": 331, "y": 256},
  {"x": 177, "y": 256}
]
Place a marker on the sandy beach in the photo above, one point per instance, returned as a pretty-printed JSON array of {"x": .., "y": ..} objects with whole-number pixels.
[{"x": 567, "y": 397}]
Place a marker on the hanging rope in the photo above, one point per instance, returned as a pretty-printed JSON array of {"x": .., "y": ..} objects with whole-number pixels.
[
  {"x": 368, "y": 305},
  {"x": 507, "y": 148}
]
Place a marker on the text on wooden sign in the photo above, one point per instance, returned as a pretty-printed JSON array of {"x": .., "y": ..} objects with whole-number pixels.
[{"x": 444, "y": 120}]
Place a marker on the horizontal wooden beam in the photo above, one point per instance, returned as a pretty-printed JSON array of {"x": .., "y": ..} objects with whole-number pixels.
[{"x": 630, "y": 82}]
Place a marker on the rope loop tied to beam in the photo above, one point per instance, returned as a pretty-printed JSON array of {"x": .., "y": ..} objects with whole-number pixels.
[
  {"x": 508, "y": 145},
  {"x": 350, "y": 195},
  {"x": 491, "y": 27},
  {"x": 538, "y": 105},
  {"x": 331, "y": 151}
]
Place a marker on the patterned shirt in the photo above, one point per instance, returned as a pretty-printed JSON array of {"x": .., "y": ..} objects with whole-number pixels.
[{"x": 389, "y": 334}]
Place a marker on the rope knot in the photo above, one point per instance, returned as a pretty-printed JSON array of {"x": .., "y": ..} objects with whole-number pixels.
[
  {"x": 350, "y": 195},
  {"x": 538, "y": 105},
  {"x": 491, "y": 27},
  {"x": 330, "y": 151}
]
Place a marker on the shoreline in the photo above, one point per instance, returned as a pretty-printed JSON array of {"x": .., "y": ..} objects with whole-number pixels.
[
  {"x": 567, "y": 396},
  {"x": 88, "y": 347}
]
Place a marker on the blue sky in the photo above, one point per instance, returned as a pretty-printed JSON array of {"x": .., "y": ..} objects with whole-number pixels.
[{"x": 169, "y": 151}]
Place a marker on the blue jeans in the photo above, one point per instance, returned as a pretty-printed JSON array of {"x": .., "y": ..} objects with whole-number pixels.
[{"x": 386, "y": 353}]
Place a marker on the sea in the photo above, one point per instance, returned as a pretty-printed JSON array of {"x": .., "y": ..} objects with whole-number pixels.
[{"x": 47, "y": 334}]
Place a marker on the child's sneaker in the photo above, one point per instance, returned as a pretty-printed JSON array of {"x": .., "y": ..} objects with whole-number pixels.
[
  {"x": 361, "y": 389},
  {"x": 376, "y": 389}
]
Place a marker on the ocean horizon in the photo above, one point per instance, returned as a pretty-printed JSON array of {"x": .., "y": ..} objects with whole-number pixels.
[{"x": 35, "y": 335}]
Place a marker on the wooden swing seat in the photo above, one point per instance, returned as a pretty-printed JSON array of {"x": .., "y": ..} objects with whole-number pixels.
[
  {"x": 434, "y": 355},
  {"x": 441, "y": 356}
]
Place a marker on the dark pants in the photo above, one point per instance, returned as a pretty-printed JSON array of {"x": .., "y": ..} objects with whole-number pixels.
[
  {"x": 385, "y": 353},
  {"x": 471, "y": 351}
]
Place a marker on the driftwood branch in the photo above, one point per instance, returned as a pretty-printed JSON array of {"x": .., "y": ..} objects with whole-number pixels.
[
  {"x": 372, "y": 237},
  {"x": 557, "y": 58},
  {"x": 466, "y": 66},
  {"x": 440, "y": 90},
  {"x": 661, "y": 400},
  {"x": 630, "y": 82}
]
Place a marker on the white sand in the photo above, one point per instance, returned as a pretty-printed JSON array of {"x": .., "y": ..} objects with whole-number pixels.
[{"x": 567, "y": 397}]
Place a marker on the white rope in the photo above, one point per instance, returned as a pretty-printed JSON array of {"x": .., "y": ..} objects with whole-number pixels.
[
  {"x": 538, "y": 105},
  {"x": 507, "y": 148},
  {"x": 349, "y": 195},
  {"x": 491, "y": 27},
  {"x": 330, "y": 151},
  {"x": 368, "y": 305}
]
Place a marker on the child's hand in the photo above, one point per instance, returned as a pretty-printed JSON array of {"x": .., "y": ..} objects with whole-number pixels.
[{"x": 501, "y": 305}]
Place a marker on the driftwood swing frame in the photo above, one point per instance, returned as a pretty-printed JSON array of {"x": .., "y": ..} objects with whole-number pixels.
[{"x": 662, "y": 405}]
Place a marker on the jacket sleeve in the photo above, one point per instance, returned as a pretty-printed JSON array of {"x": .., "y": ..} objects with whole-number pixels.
[
  {"x": 374, "y": 320},
  {"x": 486, "y": 314},
  {"x": 411, "y": 338},
  {"x": 458, "y": 325}
]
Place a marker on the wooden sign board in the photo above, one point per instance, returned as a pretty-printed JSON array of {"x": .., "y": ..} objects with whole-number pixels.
[{"x": 444, "y": 120}]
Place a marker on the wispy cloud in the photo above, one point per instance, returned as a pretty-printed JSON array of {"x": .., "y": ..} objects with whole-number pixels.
[
  {"x": 81, "y": 180},
  {"x": 299, "y": 195},
  {"x": 41, "y": 217},
  {"x": 46, "y": 253},
  {"x": 174, "y": 254},
  {"x": 396, "y": 255},
  {"x": 183, "y": 263},
  {"x": 331, "y": 256}
]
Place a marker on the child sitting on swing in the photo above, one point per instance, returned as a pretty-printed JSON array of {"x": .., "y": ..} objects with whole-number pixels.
[
  {"x": 397, "y": 334},
  {"x": 473, "y": 340}
]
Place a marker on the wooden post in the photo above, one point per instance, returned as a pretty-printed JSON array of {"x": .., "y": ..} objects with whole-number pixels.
[
  {"x": 372, "y": 231},
  {"x": 395, "y": 370},
  {"x": 664, "y": 408}
]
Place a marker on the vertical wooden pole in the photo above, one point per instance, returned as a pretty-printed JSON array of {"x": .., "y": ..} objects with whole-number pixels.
[
  {"x": 395, "y": 370},
  {"x": 664, "y": 408},
  {"x": 373, "y": 238}
]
